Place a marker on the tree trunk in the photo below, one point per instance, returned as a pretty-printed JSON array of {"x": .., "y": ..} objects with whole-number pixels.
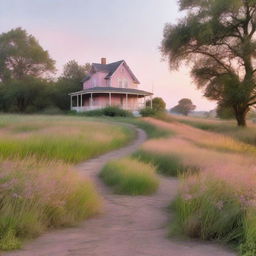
[{"x": 241, "y": 116}]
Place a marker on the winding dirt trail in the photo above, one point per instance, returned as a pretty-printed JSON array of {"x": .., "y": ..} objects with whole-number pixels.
[{"x": 129, "y": 226}]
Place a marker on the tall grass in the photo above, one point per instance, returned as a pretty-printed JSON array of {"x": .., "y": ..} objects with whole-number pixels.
[
  {"x": 228, "y": 128},
  {"x": 131, "y": 177},
  {"x": 38, "y": 189},
  {"x": 71, "y": 141},
  {"x": 219, "y": 202},
  {"x": 39, "y": 195},
  {"x": 152, "y": 131},
  {"x": 166, "y": 164}
]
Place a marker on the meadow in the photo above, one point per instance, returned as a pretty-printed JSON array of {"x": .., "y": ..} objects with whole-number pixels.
[
  {"x": 218, "y": 202},
  {"x": 39, "y": 187},
  {"x": 225, "y": 127},
  {"x": 70, "y": 139}
]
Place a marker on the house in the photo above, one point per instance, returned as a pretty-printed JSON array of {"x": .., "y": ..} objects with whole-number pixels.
[{"x": 112, "y": 84}]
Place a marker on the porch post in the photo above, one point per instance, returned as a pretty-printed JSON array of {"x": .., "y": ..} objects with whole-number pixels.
[
  {"x": 81, "y": 100},
  {"x": 77, "y": 98},
  {"x": 91, "y": 103},
  {"x": 126, "y": 101},
  {"x": 109, "y": 99}
]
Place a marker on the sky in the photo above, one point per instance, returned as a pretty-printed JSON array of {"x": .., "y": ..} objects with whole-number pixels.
[{"x": 87, "y": 30}]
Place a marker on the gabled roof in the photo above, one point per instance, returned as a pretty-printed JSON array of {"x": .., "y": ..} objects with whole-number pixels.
[{"x": 110, "y": 69}]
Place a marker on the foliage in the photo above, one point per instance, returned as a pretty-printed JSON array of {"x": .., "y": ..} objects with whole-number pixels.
[
  {"x": 184, "y": 107},
  {"x": 131, "y": 177},
  {"x": 27, "y": 95},
  {"x": 158, "y": 104},
  {"x": 69, "y": 81},
  {"x": 22, "y": 56},
  {"x": 148, "y": 111},
  {"x": 37, "y": 195},
  {"x": 218, "y": 38},
  {"x": 111, "y": 111},
  {"x": 167, "y": 164},
  {"x": 73, "y": 71},
  {"x": 225, "y": 112}
]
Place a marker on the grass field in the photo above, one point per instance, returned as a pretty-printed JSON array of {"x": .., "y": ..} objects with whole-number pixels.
[
  {"x": 71, "y": 139},
  {"x": 219, "y": 201},
  {"x": 227, "y": 128},
  {"x": 130, "y": 177},
  {"x": 38, "y": 187}
]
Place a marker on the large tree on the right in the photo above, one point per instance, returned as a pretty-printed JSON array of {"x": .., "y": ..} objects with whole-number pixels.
[{"x": 218, "y": 38}]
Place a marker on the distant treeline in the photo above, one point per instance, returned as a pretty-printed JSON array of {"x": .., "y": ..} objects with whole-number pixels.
[{"x": 27, "y": 81}]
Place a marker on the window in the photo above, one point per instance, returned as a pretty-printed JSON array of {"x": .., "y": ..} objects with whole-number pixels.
[
  {"x": 125, "y": 82},
  {"x": 120, "y": 83}
]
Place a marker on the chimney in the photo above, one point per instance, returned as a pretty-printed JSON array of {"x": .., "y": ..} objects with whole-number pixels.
[{"x": 103, "y": 61}]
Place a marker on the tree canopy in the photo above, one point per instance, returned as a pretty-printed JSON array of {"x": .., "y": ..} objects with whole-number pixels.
[
  {"x": 184, "y": 107},
  {"x": 22, "y": 56},
  {"x": 158, "y": 104},
  {"x": 218, "y": 39}
]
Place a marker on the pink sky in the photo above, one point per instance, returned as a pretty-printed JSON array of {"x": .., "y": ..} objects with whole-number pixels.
[{"x": 86, "y": 30}]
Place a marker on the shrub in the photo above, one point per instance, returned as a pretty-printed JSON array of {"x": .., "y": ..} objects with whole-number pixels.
[
  {"x": 131, "y": 177},
  {"x": 148, "y": 112},
  {"x": 111, "y": 111},
  {"x": 40, "y": 195},
  {"x": 167, "y": 164}
]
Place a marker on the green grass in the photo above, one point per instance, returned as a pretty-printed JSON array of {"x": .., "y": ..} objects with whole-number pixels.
[
  {"x": 68, "y": 139},
  {"x": 130, "y": 177},
  {"x": 166, "y": 164},
  {"x": 36, "y": 196}
]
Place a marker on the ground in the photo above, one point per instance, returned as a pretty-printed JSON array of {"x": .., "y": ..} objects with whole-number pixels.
[{"x": 127, "y": 225}]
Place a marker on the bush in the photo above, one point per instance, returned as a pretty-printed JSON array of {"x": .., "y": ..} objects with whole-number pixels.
[
  {"x": 111, "y": 111},
  {"x": 148, "y": 112},
  {"x": 170, "y": 165},
  {"x": 131, "y": 177}
]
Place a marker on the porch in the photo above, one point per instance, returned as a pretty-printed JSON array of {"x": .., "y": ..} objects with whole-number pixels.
[{"x": 100, "y": 97}]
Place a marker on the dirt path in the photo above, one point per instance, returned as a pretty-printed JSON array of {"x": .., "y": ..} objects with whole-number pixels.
[{"x": 129, "y": 226}]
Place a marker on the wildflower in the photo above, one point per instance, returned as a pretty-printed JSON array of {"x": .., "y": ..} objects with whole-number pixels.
[{"x": 219, "y": 205}]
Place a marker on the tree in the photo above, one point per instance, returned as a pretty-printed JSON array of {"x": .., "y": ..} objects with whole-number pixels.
[
  {"x": 73, "y": 71},
  {"x": 218, "y": 38},
  {"x": 27, "y": 95},
  {"x": 158, "y": 104},
  {"x": 22, "y": 56},
  {"x": 69, "y": 81},
  {"x": 184, "y": 107},
  {"x": 225, "y": 112}
]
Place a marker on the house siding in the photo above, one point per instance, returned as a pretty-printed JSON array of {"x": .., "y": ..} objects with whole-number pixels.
[{"x": 122, "y": 74}]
